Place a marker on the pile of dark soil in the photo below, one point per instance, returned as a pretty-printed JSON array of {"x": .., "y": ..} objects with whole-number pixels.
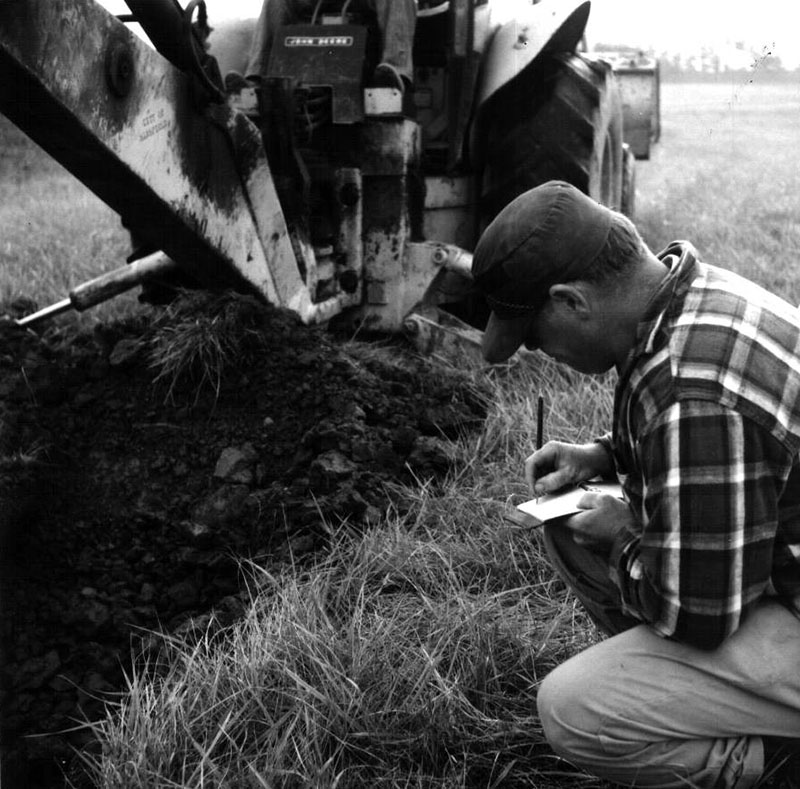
[{"x": 129, "y": 494}]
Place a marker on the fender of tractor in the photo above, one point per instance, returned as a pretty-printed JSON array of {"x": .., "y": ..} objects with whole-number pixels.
[{"x": 324, "y": 196}]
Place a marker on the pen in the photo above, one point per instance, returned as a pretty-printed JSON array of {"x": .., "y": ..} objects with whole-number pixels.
[
  {"x": 539, "y": 425},
  {"x": 539, "y": 422}
]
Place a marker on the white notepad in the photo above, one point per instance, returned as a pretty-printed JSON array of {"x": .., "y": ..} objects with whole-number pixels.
[{"x": 537, "y": 512}]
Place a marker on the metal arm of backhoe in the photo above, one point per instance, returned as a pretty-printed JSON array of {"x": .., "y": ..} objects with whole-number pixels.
[
  {"x": 170, "y": 29},
  {"x": 191, "y": 176}
]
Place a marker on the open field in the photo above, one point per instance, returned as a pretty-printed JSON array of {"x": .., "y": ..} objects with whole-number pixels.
[
  {"x": 726, "y": 176},
  {"x": 410, "y": 655}
]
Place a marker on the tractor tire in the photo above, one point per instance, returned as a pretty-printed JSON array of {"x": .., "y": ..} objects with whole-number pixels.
[
  {"x": 560, "y": 119},
  {"x": 628, "y": 206}
]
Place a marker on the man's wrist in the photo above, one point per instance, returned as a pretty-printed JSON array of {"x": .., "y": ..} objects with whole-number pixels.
[{"x": 608, "y": 462}]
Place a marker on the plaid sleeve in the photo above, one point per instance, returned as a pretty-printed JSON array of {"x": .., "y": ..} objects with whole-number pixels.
[{"x": 709, "y": 515}]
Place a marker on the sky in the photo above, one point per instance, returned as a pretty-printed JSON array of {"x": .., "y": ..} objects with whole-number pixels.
[
  {"x": 677, "y": 25},
  {"x": 665, "y": 25}
]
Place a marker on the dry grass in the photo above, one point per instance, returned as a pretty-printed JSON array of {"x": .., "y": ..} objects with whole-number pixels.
[
  {"x": 200, "y": 338},
  {"x": 409, "y": 656}
]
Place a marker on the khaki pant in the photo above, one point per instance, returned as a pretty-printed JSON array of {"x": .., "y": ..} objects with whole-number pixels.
[
  {"x": 641, "y": 710},
  {"x": 397, "y": 21}
]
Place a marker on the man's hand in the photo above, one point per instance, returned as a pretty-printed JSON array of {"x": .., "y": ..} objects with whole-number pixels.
[
  {"x": 557, "y": 465},
  {"x": 604, "y": 518}
]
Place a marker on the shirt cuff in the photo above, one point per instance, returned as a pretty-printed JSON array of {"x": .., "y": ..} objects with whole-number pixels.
[
  {"x": 622, "y": 570},
  {"x": 619, "y": 558}
]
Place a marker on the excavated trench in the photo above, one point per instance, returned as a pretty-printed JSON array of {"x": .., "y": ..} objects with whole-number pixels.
[{"x": 126, "y": 504}]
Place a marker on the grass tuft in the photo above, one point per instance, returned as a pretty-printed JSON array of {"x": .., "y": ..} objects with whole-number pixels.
[{"x": 200, "y": 338}]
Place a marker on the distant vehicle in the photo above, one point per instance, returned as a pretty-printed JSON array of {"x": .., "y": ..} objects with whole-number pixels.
[{"x": 639, "y": 85}]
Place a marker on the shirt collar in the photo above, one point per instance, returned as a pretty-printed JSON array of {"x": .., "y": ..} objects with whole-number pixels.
[{"x": 667, "y": 301}]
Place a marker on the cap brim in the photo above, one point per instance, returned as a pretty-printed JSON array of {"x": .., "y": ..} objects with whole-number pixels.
[{"x": 502, "y": 337}]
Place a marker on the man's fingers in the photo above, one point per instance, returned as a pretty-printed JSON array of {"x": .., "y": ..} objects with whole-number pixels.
[
  {"x": 553, "y": 481},
  {"x": 537, "y": 466},
  {"x": 555, "y": 466},
  {"x": 589, "y": 500}
]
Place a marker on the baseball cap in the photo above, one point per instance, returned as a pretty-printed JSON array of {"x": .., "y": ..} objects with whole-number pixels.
[{"x": 549, "y": 234}]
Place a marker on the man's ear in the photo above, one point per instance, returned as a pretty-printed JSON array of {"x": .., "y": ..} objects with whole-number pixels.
[{"x": 570, "y": 296}]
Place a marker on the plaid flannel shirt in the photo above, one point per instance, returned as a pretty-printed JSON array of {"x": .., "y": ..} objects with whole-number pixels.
[{"x": 705, "y": 442}]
